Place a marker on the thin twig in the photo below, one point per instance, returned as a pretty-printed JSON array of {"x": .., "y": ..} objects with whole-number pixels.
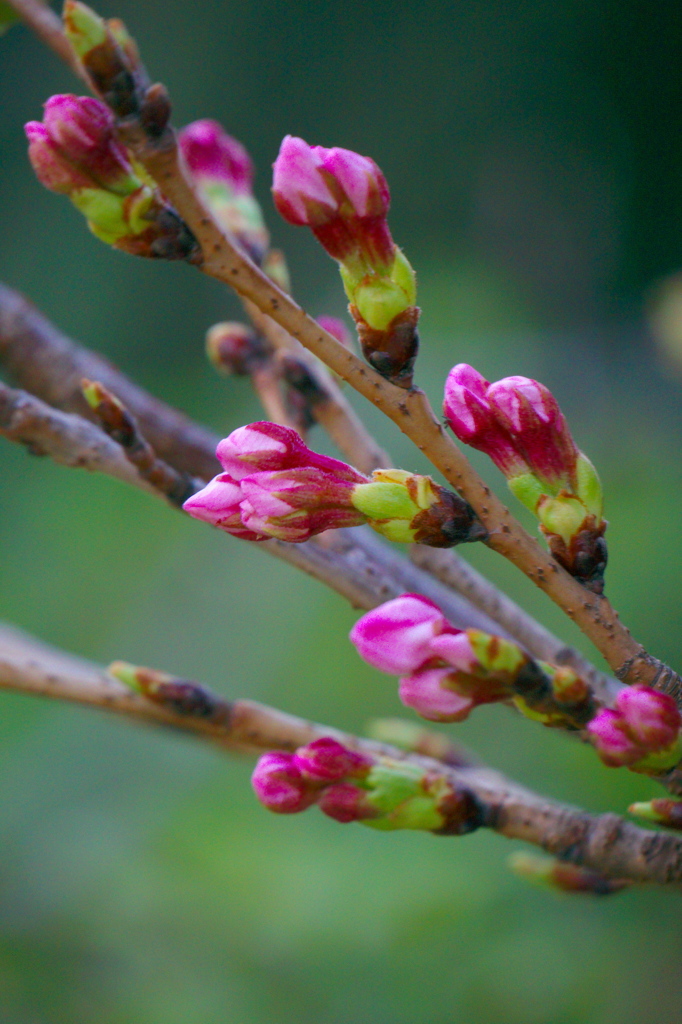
[
  {"x": 66, "y": 438},
  {"x": 604, "y": 843}
]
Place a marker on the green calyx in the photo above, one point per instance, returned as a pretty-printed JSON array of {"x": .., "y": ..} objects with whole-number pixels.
[
  {"x": 396, "y": 790},
  {"x": 112, "y": 217},
  {"x": 660, "y": 761},
  {"x": 589, "y": 486},
  {"x": 392, "y": 499},
  {"x": 84, "y": 28},
  {"x": 528, "y": 489},
  {"x": 380, "y": 298},
  {"x": 564, "y": 516},
  {"x": 495, "y": 655}
]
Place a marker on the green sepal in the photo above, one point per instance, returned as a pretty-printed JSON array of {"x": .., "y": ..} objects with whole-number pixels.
[
  {"x": 384, "y": 500},
  {"x": 104, "y": 212},
  {"x": 380, "y": 300},
  {"x": 589, "y": 486},
  {"x": 528, "y": 489},
  {"x": 660, "y": 761},
  {"x": 563, "y": 516},
  {"x": 395, "y": 789},
  {"x": 83, "y": 27},
  {"x": 496, "y": 655},
  {"x": 404, "y": 276}
]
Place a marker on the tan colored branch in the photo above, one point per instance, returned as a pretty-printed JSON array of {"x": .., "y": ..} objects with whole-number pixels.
[{"x": 604, "y": 843}]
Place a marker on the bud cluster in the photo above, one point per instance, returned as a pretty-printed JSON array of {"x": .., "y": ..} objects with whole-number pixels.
[
  {"x": 518, "y": 423},
  {"x": 273, "y": 485},
  {"x": 344, "y": 199},
  {"x": 381, "y": 792},
  {"x": 223, "y": 174},
  {"x": 642, "y": 731},
  {"x": 74, "y": 152},
  {"x": 447, "y": 672}
]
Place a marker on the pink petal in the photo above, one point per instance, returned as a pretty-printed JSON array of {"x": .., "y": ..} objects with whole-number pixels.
[
  {"x": 397, "y": 636},
  {"x": 426, "y": 693}
]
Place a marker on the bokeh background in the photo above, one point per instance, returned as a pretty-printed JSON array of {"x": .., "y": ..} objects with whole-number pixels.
[{"x": 534, "y": 153}]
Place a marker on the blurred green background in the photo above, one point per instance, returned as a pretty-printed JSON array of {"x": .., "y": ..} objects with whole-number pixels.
[{"x": 535, "y": 160}]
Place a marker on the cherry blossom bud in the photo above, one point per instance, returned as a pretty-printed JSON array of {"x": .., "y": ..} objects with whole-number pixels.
[
  {"x": 326, "y": 760},
  {"x": 651, "y": 717},
  {"x": 518, "y": 423},
  {"x": 290, "y": 492},
  {"x": 295, "y": 504},
  {"x": 343, "y": 197},
  {"x": 74, "y": 151},
  {"x": 531, "y": 416},
  {"x": 564, "y": 877},
  {"x": 662, "y": 810},
  {"x": 280, "y": 785},
  {"x": 223, "y": 173},
  {"x": 234, "y": 348},
  {"x": 445, "y": 672},
  {"x": 642, "y": 731},
  {"x": 396, "y": 637},
  {"x": 614, "y": 746},
  {"x": 471, "y": 418}
]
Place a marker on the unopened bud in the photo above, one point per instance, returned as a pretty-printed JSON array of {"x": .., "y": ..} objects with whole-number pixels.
[
  {"x": 234, "y": 348},
  {"x": 563, "y": 877},
  {"x": 343, "y": 197},
  {"x": 662, "y": 810},
  {"x": 223, "y": 173},
  {"x": 280, "y": 785}
]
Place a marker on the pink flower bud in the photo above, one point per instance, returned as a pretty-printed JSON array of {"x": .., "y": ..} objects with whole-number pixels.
[
  {"x": 51, "y": 168},
  {"x": 213, "y": 155},
  {"x": 326, "y": 760},
  {"x": 651, "y": 718},
  {"x": 219, "y": 503},
  {"x": 264, "y": 447},
  {"x": 295, "y": 504},
  {"x": 429, "y": 692},
  {"x": 279, "y": 784},
  {"x": 345, "y": 803},
  {"x": 342, "y": 196},
  {"x": 397, "y": 636},
  {"x": 614, "y": 746},
  {"x": 77, "y": 147},
  {"x": 471, "y": 418},
  {"x": 529, "y": 413}
]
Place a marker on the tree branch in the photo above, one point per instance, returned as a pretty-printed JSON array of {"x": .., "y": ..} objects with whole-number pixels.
[{"x": 604, "y": 843}]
